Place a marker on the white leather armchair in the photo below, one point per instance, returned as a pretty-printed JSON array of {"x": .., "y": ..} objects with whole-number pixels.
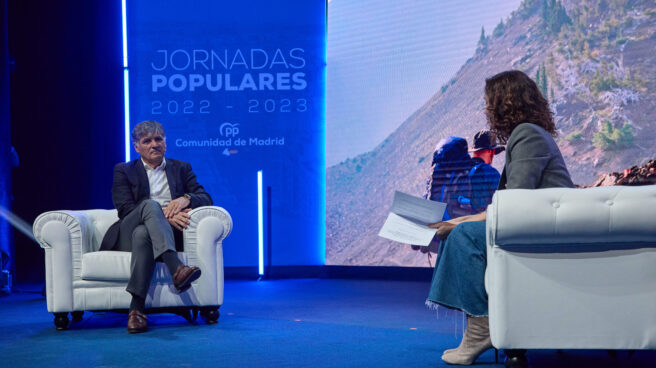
[
  {"x": 80, "y": 278},
  {"x": 572, "y": 268}
]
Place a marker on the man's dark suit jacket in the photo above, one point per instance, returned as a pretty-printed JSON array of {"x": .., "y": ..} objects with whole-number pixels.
[{"x": 131, "y": 187}]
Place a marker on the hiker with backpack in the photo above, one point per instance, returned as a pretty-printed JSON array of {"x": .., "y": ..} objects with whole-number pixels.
[
  {"x": 485, "y": 178},
  {"x": 466, "y": 184}
]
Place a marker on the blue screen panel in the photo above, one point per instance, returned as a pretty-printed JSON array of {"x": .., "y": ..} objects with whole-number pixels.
[{"x": 240, "y": 87}]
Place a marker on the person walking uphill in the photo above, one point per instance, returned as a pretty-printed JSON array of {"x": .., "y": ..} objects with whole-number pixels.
[
  {"x": 520, "y": 116},
  {"x": 465, "y": 183},
  {"x": 485, "y": 178}
]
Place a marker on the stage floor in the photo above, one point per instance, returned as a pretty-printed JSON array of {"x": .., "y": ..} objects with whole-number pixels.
[{"x": 282, "y": 323}]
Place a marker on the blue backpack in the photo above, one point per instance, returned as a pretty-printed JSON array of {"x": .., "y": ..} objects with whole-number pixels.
[{"x": 451, "y": 178}]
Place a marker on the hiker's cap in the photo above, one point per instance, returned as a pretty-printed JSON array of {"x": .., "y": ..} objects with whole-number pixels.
[{"x": 484, "y": 140}]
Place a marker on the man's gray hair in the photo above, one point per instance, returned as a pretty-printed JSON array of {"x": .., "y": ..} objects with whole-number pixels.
[{"x": 145, "y": 128}]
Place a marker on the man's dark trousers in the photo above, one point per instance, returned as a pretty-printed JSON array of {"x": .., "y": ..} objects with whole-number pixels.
[{"x": 147, "y": 234}]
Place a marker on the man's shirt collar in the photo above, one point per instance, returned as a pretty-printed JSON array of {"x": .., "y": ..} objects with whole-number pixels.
[{"x": 162, "y": 166}]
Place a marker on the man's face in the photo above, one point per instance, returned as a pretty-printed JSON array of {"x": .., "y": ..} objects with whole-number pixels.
[{"x": 152, "y": 148}]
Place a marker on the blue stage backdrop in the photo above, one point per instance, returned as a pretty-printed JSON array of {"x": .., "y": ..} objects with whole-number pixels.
[{"x": 239, "y": 87}]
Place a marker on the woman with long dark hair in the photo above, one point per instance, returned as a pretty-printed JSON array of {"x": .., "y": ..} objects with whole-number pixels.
[{"x": 520, "y": 117}]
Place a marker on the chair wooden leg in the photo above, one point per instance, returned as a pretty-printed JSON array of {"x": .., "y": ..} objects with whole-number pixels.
[
  {"x": 211, "y": 314},
  {"x": 61, "y": 321},
  {"x": 77, "y": 316},
  {"x": 516, "y": 358},
  {"x": 186, "y": 313}
]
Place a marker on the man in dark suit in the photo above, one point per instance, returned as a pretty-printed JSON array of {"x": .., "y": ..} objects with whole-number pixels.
[{"x": 153, "y": 196}]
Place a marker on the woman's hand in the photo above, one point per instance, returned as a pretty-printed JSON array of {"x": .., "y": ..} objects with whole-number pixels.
[
  {"x": 443, "y": 228},
  {"x": 431, "y": 248}
]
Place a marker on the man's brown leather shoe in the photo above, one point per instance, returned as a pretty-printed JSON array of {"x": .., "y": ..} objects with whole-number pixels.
[
  {"x": 137, "y": 322},
  {"x": 184, "y": 276}
]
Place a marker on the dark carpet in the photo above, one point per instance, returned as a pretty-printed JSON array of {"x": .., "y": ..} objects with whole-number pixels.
[{"x": 284, "y": 323}]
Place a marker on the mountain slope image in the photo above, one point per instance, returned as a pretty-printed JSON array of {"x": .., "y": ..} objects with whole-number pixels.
[{"x": 593, "y": 60}]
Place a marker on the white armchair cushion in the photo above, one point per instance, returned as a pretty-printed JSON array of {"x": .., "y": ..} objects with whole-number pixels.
[
  {"x": 106, "y": 266},
  {"x": 115, "y": 266}
]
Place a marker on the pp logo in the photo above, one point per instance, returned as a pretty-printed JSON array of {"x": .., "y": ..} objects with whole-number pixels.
[{"x": 229, "y": 130}]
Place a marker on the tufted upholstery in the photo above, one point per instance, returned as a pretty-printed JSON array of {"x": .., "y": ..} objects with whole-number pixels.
[
  {"x": 79, "y": 277},
  {"x": 572, "y": 268}
]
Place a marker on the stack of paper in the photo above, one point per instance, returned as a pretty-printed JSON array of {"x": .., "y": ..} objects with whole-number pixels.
[{"x": 409, "y": 218}]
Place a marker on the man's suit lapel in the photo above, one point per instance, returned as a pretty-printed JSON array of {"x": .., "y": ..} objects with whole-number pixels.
[
  {"x": 142, "y": 178},
  {"x": 135, "y": 170},
  {"x": 170, "y": 177}
]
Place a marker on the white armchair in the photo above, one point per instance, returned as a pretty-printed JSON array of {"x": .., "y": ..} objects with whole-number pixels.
[
  {"x": 572, "y": 268},
  {"x": 80, "y": 278}
]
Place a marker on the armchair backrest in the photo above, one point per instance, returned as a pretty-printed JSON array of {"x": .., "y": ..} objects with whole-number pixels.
[
  {"x": 571, "y": 219},
  {"x": 99, "y": 222}
]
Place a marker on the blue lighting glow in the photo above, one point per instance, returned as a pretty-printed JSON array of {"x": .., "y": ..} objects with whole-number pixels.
[
  {"x": 125, "y": 33},
  {"x": 322, "y": 155},
  {"x": 260, "y": 225},
  {"x": 126, "y": 108},
  {"x": 126, "y": 81}
]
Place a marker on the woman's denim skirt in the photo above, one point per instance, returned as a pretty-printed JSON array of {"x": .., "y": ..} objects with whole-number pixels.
[{"x": 458, "y": 279}]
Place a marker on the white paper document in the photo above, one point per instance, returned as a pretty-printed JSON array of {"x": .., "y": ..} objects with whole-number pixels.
[{"x": 409, "y": 217}]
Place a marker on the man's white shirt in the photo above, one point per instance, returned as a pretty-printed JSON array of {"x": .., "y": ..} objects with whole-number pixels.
[{"x": 159, "y": 184}]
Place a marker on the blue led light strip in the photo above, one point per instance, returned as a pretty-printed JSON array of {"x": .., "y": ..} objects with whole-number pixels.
[
  {"x": 260, "y": 225},
  {"x": 126, "y": 81},
  {"x": 126, "y": 107}
]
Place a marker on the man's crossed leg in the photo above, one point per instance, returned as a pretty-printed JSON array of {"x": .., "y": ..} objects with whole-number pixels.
[{"x": 148, "y": 235}]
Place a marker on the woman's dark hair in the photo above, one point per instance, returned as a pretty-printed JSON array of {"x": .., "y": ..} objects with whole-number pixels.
[{"x": 512, "y": 98}]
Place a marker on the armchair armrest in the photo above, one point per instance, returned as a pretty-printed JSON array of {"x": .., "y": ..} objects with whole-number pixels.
[
  {"x": 203, "y": 239},
  {"x": 65, "y": 236},
  {"x": 568, "y": 219}
]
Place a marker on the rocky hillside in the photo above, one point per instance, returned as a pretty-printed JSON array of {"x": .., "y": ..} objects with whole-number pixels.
[
  {"x": 636, "y": 175},
  {"x": 593, "y": 59}
]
